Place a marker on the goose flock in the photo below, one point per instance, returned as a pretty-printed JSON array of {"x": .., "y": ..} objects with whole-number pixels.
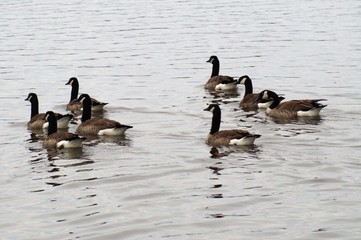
[
  {"x": 267, "y": 100},
  {"x": 89, "y": 126}
]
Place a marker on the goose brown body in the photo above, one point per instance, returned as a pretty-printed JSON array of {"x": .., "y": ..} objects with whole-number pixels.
[
  {"x": 249, "y": 102},
  {"x": 53, "y": 140},
  {"x": 94, "y": 126},
  {"x": 225, "y": 137},
  {"x": 37, "y": 121}
]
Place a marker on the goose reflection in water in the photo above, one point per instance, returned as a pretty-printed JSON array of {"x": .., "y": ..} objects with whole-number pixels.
[
  {"x": 93, "y": 140},
  {"x": 300, "y": 120},
  {"x": 215, "y": 152},
  {"x": 226, "y": 97},
  {"x": 67, "y": 153}
]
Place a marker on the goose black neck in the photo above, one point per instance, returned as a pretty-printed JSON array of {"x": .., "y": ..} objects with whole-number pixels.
[
  {"x": 74, "y": 90},
  {"x": 34, "y": 106},
  {"x": 86, "y": 109},
  {"x": 216, "y": 120},
  {"x": 52, "y": 128},
  {"x": 276, "y": 100},
  {"x": 248, "y": 86},
  {"x": 215, "y": 68}
]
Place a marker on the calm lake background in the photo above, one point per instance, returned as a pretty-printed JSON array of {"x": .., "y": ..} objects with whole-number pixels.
[{"x": 302, "y": 180}]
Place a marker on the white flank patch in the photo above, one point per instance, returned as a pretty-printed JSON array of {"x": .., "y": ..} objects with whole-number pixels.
[
  {"x": 63, "y": 122},
  {"x": 310, "y": 113},
  {"x": 264, "y": 105},
  {"x": 76, "y": 143},
  {"x": 112, "y": 131},
  {"x": 227, "y": 86},
  {"x": 243, "y": 141}
]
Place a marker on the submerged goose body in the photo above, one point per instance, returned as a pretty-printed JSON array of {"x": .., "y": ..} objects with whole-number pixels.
[
  {"x": 293, "y": 108},
  {"x": 218, "y": 82},
  {"x": 227, "y": 137},
  {"x": 37, "y": 120},
  {"x": 250, "y": 100},
  {"x": 98, "y": 126},
  {"x": 60, "y": 139},
  {"x": 74, "y": 105}
]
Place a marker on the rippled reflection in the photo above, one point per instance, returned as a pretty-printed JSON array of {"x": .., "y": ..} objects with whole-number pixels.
[
  {"x": 67, "y": 153},
  {"x": 216, "y": 154},
  {"x": 225, "y": 97},
  {"x": 303, "y": 120},
  {"x": 36, "y": 136},
  {"x": 93, "y": 140}
]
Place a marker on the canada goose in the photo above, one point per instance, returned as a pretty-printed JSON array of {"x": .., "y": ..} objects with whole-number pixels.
[
  {"x": 37, "y": 120},
  {"x": 250, "y": 100},
  {"x": 60, "y": 139},
  {"x": 219, "y": 82},
  {"x": 97, "y": 126},
  {"x": 74, "y": 105},
  {"x": 218, "y": 138},
  {"x": 293, "y": 108}
]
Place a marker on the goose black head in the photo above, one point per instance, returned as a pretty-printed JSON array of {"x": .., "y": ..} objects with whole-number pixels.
[
  {"x": 31, "y": 97},
  {"x": 49, "y": 115},
  {"x": 211, "y": 107},
  {"x": 72, "y": 81},
  {"x": 264, "y": 95},
  {"x": 243, "y": 79},
  {"x": 82, "y": 97},
  {"x": 212, "y": 59}
]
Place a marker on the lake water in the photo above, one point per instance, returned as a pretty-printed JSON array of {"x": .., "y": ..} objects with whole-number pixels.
[{"x": 302, "y": 180}]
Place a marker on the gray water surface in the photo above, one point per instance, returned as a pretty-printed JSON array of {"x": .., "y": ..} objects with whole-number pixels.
[{"x": 302, "y": 180}]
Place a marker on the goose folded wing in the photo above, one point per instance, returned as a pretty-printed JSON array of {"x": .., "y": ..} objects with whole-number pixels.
[{"x": 233, "y": 134}]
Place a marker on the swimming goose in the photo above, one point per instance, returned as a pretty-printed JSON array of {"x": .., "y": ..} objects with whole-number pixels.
[
  {"x": 60, "y": 139},
  {"x": 219, "y": 82},
  {"x": 218, "y": 138},
  {"x": 293, "y": 108},
  {"x": 250, "y": 100},
  {"x": 97, "y": 126},
  {"x": 37, "y": 120},
  {"x": 74, "y": 105}
]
